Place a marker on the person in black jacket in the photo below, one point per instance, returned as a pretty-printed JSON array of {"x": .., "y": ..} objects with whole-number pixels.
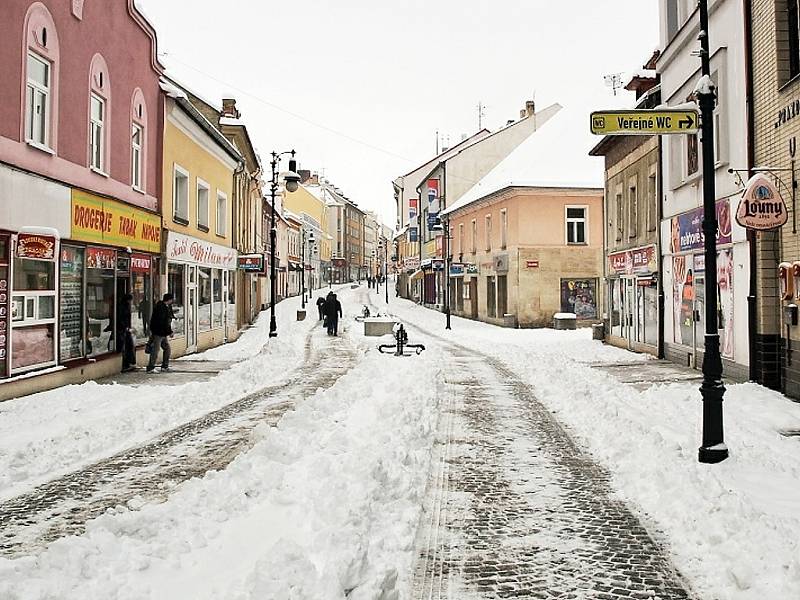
[
  {"x": 333, "y": 310},
  {"x": 321, "y": 307},
  {"x": 160, "y": 332},
  {"x": 125, "y": 343}
]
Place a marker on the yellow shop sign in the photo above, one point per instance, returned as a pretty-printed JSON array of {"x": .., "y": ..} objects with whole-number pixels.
[{"x": 103, "y": 221}]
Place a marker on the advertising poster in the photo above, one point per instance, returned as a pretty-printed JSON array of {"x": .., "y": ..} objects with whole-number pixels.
[
  {"x": 579, "y": 296},
  {"x": 687, "y": 229},
  {"x": 725, "y": 299},
  {"x": 683, "y": 300}
]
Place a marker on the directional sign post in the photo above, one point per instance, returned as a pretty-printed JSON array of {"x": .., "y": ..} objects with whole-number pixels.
[{"x": 645, "y": 122}]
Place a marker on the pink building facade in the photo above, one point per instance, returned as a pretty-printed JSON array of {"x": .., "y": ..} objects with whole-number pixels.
[{"x": 81, "y": 122}]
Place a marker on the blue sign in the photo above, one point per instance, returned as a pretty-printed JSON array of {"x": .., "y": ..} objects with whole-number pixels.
[
  {"x": 412, "y": 234},
  {"x": 432, "y": 217}
]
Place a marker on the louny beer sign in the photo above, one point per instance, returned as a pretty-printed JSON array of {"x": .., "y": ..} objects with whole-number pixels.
[
  {"x": 104, "y": 221},
  {"x": 761, "y": 208}
]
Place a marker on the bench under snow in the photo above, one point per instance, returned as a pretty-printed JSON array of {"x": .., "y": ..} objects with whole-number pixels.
[{"x": 565, "y": 320}]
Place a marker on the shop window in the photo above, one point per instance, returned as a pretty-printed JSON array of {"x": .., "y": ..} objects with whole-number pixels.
[
  {"x": 71, "y": 291},
  {"x": 579, "y": 296},
  {"x": 142, "y": 292},
  {"x": 502, "y": 295},
  {"x": 202, "y": 204},
  {"x": 177, "y": 287},
  {"x": 204, "y": 299},
  {"x": 33, "y": 307},
  {"x": 218, "y": 306},
  {"x": 617, "y": 291},
  {"x": 180, "y": 195},
  {"x": 37, "y": 114},
  {"x": 491, "y": 304},
  {"x": 100, "y": 300},
  {"x": 232, "y": 298},
  {"x": 576, "y": 224},
  {"x": 651, "y": 315}
]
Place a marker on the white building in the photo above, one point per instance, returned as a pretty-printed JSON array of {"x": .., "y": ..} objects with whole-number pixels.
[{"x": 681, "y": 235}]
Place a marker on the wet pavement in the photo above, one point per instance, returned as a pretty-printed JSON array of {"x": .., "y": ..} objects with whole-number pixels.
[
  {"x": 182, "y": 371},
  {"x": 149, "y": 472}
]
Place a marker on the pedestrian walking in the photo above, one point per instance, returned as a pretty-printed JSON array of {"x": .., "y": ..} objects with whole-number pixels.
[
  {"x": 125, "y": 342},
  {"x": 160, "y": 332},
  {"x": 321, "y": 307},
  {"x": 333, "y": 310}
]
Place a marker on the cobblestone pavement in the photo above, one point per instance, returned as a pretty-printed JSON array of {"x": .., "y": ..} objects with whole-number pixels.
[
  {"x": 150, "y": 471},
  {"x": 515, "y": 509}
]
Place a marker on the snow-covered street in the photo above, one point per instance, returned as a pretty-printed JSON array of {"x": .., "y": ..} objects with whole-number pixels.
[{"x": 498, "y": 463}]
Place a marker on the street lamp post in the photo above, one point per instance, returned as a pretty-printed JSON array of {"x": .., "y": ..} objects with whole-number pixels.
[
  {"x": 292, "y": 180},
  {"x": 386, "y": 269},
  {"x": 303, "y": 270},
  {"x": 446, "y": 249},
  {"x": 712, "y": 389}
]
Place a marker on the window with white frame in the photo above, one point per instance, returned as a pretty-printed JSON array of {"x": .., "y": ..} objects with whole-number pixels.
[
  {"x": 180, "y": 195},
  {"x": 202, "y": 204},
  {"x": 222, "y": 213},
  {"x": 37, "y": 113},
  {"x": 503, "y": 228},
  {"x": 137, "y": 139},
  {"x": 474, "y": 236},
  {"x": 97, "y": 115},
  {"x": 576, "y": 224},
  {"x": 488, "y": 223},
  {"x": 461, "y": 238}
]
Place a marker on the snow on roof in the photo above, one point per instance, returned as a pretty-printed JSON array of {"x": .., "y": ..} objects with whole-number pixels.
[
  {"x": 644, "y": 74},
  {"x": 230, "y": 121},
  {"x": 555, "y": 156},
  {"x": 170, "y": 89}
]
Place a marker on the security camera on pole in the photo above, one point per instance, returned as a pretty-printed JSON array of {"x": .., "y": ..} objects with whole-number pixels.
[{"x": 292, "y": 181}]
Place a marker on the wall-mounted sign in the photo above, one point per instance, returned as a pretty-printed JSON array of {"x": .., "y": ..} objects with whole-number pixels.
[
  {"x": 787, "y": 113},
  {"x": 532, "y": 264},
  {"x": 413, "y": 204},
  {"x": 456, "y": 269},
  {"x": 252, "y": 263},
  {"x": 437, "y": 264},
  {"x": 413, "y": 235},
  {"x": 39, "y": 247},
  {"x": 500, "y": 263},
  {"x": 101, "y": 258},
  {"x": 635, "y": 261},
  {"x": 761, "y": 208},
  {"x": 411, "y": 263},
  {"x": 645, "y": 122},
  {"x": 184, "y": 248},
  {"x": 140, "y": 263},
  {"x": 100, "y": 220},
  {"x": 339, "y": 263},
  {"x": 471, "y": 268},
  {"x": 687, "y": 229}
]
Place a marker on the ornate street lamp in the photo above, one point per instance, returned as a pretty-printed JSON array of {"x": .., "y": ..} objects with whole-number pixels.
[{"x": 292, "y": 181}]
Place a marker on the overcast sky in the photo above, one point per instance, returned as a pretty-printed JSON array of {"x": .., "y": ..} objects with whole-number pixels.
[{"x": 359, "y": 87}]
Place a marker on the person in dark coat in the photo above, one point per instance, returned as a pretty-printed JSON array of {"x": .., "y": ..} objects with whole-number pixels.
[
  {"x": 321, "y": 307},
  {"x": 125, "y": 342},
  {"x": 160, "y": 332},
  {"x": 333, "y": 310}
]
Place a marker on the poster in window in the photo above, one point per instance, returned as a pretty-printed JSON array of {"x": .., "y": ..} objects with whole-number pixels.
[
  {"x": 725, "y": 298},
  {"x": 71, "y": 291},
  {"x": 579, "y": 296}
]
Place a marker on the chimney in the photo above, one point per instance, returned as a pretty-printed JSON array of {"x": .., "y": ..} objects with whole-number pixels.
[
  {"x": 522, "y": 114},
  {"x": 305, "y": 175},
  {"x": 229, "y": 108},
  {"x": 314, "y": 179},
  {"x": 530, "y": 108}
]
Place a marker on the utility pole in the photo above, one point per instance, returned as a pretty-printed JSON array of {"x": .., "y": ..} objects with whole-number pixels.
[{"x": 712, "y": 390}]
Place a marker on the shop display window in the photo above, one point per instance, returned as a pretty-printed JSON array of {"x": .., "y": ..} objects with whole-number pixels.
[
  {"x": 142, "y": 292},
  {"x": 177, "y": 287},
  {"x": 217, "y": 305},
  {"x": 651, "y": 315},
  {"x": 33, "y": 318},
  {"x": 100, "y": 301},
  {"x": 32, "y": 345},
  {"x": 71, "y": 291},
  {"x": 616, "y": 307},
  {"x": 232, "y": 298},
  {"x": 204, "y": 299}
]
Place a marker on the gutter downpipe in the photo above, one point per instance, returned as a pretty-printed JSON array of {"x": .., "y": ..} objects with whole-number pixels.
[{"x": 752, "y": 307}]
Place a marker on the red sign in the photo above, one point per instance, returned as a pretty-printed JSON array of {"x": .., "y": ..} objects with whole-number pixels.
[
  {"x": 629, "y": 262},
  {"x": 140, "y": 263},
  {"x": 532, "y": 264},
  {"x": 40, "y": 247},
  {"x": 339, "y": 263},
  {"x": 253, "y": 263},
  {"x": 101, "y": 258},
  {"x": 761, "y": 208}
]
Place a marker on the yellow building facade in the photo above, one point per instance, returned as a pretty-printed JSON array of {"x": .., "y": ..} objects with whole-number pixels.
[
  {"x": 199, "y": 266},
  {"x": 314, "y": 213}
]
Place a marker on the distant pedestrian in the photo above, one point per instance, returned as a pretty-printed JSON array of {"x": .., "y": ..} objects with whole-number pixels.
[
  {"x": 160, "y": 332},
  {"x": 321, "y": 307},
  {"x": 125, "y": 341},
  {"x": 333, "y": 310}
]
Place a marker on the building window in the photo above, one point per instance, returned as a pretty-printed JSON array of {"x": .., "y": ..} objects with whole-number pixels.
[
  {"x": 619, "y": 216},
  {"x": 503, "y": 228},
  {"x": 652, "y": 202},
  {"x": 488, "y": 232},
  {"x": 792, "y": 41},
  {"x": 180, "y": 195},
  {"x": 202, "y": 204},
  {"x": 474, "y": 236},
  {"x": 673, "y": 23},
  {"x": 633, "y": 210},
  {"x": 37, "y": 114},
  {"x": 137, "y": 137},
  {"x": 97, "y": 132},
  {"x": 461, "y": 238},
  {"x": 576, "y": 224},
  {"x": 692, "y": 155}
]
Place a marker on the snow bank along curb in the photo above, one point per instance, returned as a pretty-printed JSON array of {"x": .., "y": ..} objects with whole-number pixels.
[
  {"x": 733, "y": 529},
  {"x": 324, "y": 505}
]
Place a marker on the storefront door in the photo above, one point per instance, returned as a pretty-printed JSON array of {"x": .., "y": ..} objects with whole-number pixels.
[
  {"x": 191, "y": 309},
  {"x": 630, "y": 307}
]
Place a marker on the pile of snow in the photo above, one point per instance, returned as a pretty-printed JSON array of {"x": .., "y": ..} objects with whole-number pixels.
[
  {"x": 325, "y": 505},
  {"x": 733, "y": 529}
]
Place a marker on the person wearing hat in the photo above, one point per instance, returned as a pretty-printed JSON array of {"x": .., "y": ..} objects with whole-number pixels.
[{"x": 160, "y": 332}]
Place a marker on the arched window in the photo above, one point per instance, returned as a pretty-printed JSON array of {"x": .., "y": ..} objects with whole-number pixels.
[
  {"x": 40, "y": 79},
  {"x": 99, "y": 115},
  {"x": 138, "y": 141}
]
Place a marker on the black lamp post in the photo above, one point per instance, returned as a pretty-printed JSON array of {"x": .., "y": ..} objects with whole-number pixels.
[
  {"x": 292, "y": 180},
  {"x": 712, "y": 390},
  {"x": 446, "y": 251}
]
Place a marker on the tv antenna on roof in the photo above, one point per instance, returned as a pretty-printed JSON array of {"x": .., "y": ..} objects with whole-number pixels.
[{"x": 614, "y": 81}]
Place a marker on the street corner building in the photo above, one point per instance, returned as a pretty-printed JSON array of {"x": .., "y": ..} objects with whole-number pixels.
[
  {"x": 80, "y": 127},
  {"x": 524, "y": 253}
]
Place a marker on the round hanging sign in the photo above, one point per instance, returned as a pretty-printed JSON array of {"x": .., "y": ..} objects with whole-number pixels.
[{"x": 761, "y": 208}]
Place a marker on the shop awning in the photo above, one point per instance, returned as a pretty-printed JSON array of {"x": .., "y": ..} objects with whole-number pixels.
[{"x": 417, "y": 275}]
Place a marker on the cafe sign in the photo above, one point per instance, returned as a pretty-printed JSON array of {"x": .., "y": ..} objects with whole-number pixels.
[
  {"x": 100, "y": 220},
  {"x": 34, "y": 246},
  {"x": 761, "y": 208}
]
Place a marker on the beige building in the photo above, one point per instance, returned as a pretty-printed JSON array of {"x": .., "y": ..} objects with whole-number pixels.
[{"x": 523, "y": 253}]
